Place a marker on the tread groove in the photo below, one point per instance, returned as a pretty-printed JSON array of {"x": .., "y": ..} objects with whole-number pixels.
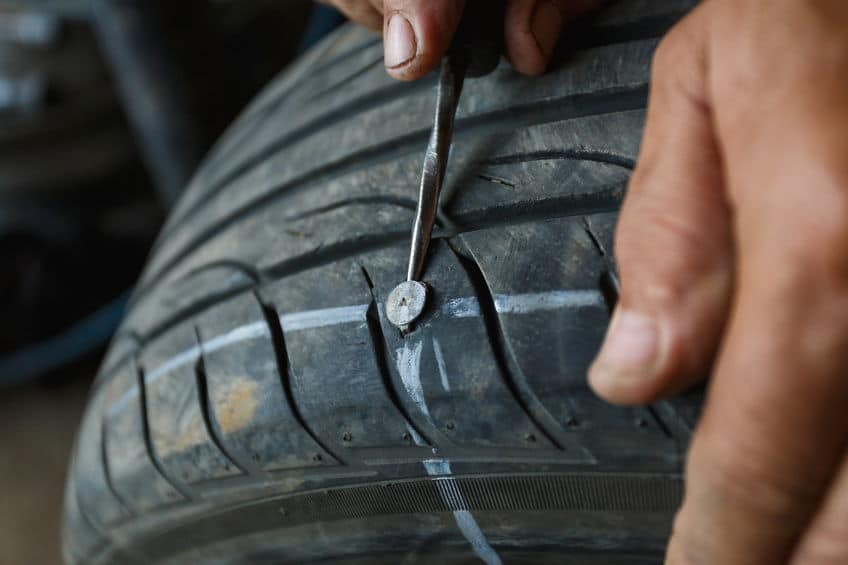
[
  {"x": 587, "y": 227},
  {"x": 247, "y": 270},
  {"x": 659, "y": 421},
  {"x": 497, "y": 340},
  {"x": 381, "y": 355},
  {"x": 603, "y": 157},
  {"x": 406, "y": 203},
  {"x": 606, "y": 199},
  {"x": 496, "y": 180},
  {"x": 148, "y": 441},
  {"x": 107, "y": 473},
  {"x": 608, "y": 281},
  {"x": 278, "y": 342},
  {"x": 608, "y": 284},
  {"x": 205, "y": 404}
]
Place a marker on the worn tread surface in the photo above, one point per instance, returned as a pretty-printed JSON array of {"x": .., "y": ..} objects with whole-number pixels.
[{"x": 256, "y": 405}]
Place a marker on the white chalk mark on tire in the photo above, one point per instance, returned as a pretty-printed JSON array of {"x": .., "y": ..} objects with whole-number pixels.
[
  {"x": 440, "y": 361},
  {"x": 310, "y": 319},
  {"x": 452, "y": 497},
  {"x": 553, "y": 300},
  {"x": 241, "y": 333},
  {"x": 408, "y": 359},
  {"x": 466, "y": 307}
]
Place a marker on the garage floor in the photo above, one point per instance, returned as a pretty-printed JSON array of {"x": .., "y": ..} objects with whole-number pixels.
[{"x": 37, "y": 427}]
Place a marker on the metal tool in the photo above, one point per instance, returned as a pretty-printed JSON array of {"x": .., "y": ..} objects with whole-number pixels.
[{"x": 475, "y": 51}]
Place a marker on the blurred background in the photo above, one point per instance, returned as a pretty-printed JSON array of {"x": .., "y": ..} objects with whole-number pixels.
[{"x": 106, "y": 109}]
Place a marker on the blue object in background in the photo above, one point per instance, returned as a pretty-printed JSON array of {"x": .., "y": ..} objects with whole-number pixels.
[
  {"x": 79, "y": 340},
  {"x": 322, "y": 21}
]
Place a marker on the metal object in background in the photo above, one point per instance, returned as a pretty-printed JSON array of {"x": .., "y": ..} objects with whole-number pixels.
[
  {"x": 29, "y": 28},
  {"x": 61, "y": 126},
  {"x": 184, "y": 69},
  {"x": 154, "y": 91}
]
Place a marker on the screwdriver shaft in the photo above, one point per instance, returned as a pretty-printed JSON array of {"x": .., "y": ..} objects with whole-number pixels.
[{"x": 451, "y": 77}]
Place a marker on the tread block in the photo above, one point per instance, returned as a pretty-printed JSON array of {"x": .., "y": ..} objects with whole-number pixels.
[
  {"x": 553, "y": 341},
  {"x": 256, "y": 422},
  {"x": 134, "y": 474},
  {"x": 180, "y": 434},
  {"x": 336, "y": 369},
  {"x": 89, "y": 468},
  {"x": 543, "y": 163},
  {"x": 188, "y": 291}
]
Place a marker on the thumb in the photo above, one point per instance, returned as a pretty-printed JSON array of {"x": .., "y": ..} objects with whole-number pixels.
[
  {"x": 417, "y": 33},
  {"x": 673, "y": 242}
]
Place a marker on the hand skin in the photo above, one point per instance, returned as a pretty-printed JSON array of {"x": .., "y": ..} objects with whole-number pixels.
[
  {"x": 417, "y": 33},
  {"x": 733, "y": 255}
]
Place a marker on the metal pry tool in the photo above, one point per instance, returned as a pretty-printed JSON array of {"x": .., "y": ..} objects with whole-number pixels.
[{"x": 475, "y": 51}]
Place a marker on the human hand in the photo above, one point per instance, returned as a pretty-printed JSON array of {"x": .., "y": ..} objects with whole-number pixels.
[
  {"x": 416, "y": 33},
  {"x": 733, "y": 249}
]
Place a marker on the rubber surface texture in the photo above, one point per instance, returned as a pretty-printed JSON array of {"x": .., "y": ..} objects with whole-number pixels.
[{"x": 257, "y": 406}]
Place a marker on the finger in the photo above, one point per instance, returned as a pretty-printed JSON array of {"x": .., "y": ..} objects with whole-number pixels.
[
  {"x": 673, "y": 244},
  {"x": 826, "y": 542},
  {"x": 775, "y": 424},
  {"x": 361, "y": 12},
  {"x": 417, "y": 33},
  {"x": 532, "y": 28}
]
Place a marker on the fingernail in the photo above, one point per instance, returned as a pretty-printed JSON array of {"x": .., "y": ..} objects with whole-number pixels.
[
  {"x": 631, "y": 350},
  {"x": 400, "y": 42},
  {"x": 546, "y": 26}
]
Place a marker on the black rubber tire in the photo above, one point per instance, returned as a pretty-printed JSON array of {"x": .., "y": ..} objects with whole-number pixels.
[{"x": 257, "y": 407}]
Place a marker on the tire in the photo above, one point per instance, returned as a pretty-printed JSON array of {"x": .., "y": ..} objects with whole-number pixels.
[{"x": 257, "y": 407}]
